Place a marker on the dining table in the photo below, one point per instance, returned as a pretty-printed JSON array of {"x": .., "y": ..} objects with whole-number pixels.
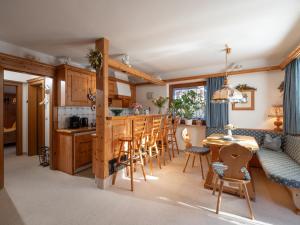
[{"x": 215, "y": 142}]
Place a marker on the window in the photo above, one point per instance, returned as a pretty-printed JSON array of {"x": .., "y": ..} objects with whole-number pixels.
[{"x": 177, "y": 90}]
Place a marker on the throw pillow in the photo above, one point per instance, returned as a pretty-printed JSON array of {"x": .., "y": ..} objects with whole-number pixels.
[{"x": 272, "y": 143}]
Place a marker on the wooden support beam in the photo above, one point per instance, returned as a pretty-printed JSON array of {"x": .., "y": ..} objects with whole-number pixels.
[
  {"x": 18, "y": 64},
  {"x": 293, "y": 55},
  {"x": 1, "y": 129},
  {"x": 232, "y": 73},
  {"x": 124, "y": 68},
  {"x": 102, "y": 111}
]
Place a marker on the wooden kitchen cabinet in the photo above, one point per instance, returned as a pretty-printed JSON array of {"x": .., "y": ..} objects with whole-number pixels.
[
  {"x": 74, "y": 150},
  {"x": 83, "y": 150},
  {"x": 112, "y": 88},
  {"x": 73, "y": 86}
]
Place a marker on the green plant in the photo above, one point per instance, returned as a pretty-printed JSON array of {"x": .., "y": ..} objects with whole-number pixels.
[
  {"x": 95, "y": 58},
  {"x": 187, "y": 105},
  {"x": 160, "y": 102}
]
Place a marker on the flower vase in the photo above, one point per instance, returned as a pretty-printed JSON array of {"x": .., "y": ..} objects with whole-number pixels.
[
  {"x": 229, "y": 132},
  {"x": 136, "y": 112},
  {"x": 159, "y": 110}
]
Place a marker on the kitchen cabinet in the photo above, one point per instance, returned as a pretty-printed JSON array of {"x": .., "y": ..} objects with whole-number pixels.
[
  {"x": 73, "y": 86},
  {"x": 74, "y": 150}
]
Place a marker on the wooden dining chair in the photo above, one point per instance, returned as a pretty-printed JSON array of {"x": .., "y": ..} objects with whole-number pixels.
[
  {"x": 151, "y": 145},
  {"x": 133, "y": 155},
  {"x": 194, "y": 151},
  {"x": 232, "y": 168}
]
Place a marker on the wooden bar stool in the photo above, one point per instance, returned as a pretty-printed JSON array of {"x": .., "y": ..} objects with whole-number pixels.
[
  {"x": 232, "y": 168},
  {"x": 151, "y": 144},
  {"x": 195, "y": 151},
  {"x": 172, "y": 134},
  {"x": 133, "y": 154},
  {"x": 162, "y": 140}
]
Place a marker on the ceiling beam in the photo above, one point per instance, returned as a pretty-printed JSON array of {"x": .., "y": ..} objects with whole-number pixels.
[
  {"x": 134, "y": 72},
  {"x": 23, "y": 65},
  {"x": 293, "y": 55}
]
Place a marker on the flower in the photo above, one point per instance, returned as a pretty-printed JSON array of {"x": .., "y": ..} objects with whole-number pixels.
[
  {"x": 136, "y": 106},
  {"x": 160, "y": 101}
]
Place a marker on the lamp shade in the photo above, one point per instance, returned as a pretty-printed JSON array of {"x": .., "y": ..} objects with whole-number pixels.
[
  {"x": 276, "y": 111},
  {"x": 227, "y": 94}
]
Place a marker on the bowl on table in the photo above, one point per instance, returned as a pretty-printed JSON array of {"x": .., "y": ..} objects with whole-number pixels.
[{"x": 117, "y": 112}]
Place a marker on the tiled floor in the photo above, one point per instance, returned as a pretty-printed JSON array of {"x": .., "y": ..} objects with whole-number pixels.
[{"x": 38, "y": 196}]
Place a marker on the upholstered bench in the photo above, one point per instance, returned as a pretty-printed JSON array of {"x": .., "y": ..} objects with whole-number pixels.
[{"x": 281, "y": 167}]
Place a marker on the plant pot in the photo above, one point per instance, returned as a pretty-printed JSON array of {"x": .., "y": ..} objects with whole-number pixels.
[{"x": 188, "y": 122}]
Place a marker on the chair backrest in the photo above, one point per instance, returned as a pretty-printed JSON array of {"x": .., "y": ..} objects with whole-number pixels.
[
  {"x": 186, "y": 138},
  {"x": 235, "y": 157},
  {"x": 155, "y": 129},
  {"x": 175, "y": 124},
  {"x": 138, "y": 131}
]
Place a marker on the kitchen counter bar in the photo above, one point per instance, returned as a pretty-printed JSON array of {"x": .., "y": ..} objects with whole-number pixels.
[
  {"x": 74, "y": 131},
  {"x": 130, "y": 117}
]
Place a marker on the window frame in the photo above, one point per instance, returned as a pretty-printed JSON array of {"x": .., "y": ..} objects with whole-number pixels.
[{"x": 183, "y": 85}]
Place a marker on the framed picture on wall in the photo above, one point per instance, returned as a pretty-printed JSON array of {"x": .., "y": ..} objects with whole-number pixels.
[{"x": 249, "y": 104}]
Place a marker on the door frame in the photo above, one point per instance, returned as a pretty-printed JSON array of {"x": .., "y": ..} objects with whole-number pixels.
[
  {"x": 32, "y": 128},
  {"x": 19, "y": 119},
  {"x": 1, "y": 129}
]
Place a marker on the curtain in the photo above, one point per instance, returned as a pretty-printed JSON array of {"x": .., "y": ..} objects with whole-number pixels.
[
  {"x": 216, "y": 113},
  {"x": 291, "y": 98}
]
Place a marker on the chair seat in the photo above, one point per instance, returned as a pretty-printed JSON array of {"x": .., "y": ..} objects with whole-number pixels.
[
  {"x": 125, "y": 138},
  {"x": 198, "y": 150},
  {"x": 219, "y": 169}
]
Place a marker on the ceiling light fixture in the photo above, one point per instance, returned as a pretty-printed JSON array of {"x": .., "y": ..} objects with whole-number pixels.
[{"x": 227, "y": 93}]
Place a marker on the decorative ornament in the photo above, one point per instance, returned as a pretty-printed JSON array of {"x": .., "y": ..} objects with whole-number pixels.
[
  {"x": 245, "y": 87},
  {"x": 95, "y": 58},
  {"x": 92, "y": 98}
]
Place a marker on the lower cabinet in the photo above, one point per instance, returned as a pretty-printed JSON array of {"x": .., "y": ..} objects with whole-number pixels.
[{"x": 74, "y": 152}]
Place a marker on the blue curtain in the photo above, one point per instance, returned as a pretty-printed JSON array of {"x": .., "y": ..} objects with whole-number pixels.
[
  {"x": 291, "y": 99},
  {"x": 216, "y": 113}
]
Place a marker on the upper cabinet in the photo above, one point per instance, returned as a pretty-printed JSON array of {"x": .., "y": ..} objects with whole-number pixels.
[{"x": 73, "y": 86}]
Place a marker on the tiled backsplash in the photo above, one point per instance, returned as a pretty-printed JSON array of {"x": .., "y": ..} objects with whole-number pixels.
[{"x": 64, "y": 113}]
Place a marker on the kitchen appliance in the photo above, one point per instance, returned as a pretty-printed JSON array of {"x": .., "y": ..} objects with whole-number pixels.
[
  {"x": 74, "y": 122},
  {"x": 84, "y": 122}
]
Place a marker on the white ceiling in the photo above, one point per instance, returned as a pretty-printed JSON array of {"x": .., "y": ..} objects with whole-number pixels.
[{"x": 166, "y": 37}]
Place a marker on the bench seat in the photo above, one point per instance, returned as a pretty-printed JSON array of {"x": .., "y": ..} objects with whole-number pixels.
[{"x": 280, "y": 167}]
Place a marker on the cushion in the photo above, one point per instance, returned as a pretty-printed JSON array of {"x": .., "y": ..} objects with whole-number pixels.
[
  {"x": 197, "y": 149},
  {"x": 280, "y": 167},
  {"x": 292, "y": 147},
  {"x": 219, "y": 169},
  {"x": 272, "y": 143}
]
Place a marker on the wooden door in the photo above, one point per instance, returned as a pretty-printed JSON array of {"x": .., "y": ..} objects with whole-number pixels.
[
  {"x": 36, "y": 116},
  {"x": 77, "y": 88},
  {"x": 1, "y": 130},
  {"x": 83, "y": 150}
]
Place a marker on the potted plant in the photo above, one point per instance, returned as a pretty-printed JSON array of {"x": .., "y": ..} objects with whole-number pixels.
[
  {"x": 187, "y": 105},
  {"x": 160, "y": 102}
]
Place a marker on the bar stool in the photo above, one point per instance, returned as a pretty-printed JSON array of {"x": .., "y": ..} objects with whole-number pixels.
[
  {"x": 172, "y": 133},
  {"x": 162, "y": 140},
  {"x": 133, "y": 154},
  {"x": 194, "y": 151},
  {"x": 151, "y": 144}
]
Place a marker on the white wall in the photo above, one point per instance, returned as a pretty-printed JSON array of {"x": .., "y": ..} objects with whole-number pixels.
[
  {"x": 48, "y": 82},
  {"x": 266, "y": 95}
]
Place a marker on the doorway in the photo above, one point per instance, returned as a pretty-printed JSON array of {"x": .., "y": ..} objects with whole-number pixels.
[
  {"x": 12, "y": 116},
  {"x": 36, "y": 115}
]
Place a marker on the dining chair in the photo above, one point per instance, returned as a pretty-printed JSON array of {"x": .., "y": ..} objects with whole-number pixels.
[
  {"x": 194, "y": 151},
  {"x": 134, "y": 154},
  {"x": 151, "y": 143},
  {"x": 232, "y": 168}
]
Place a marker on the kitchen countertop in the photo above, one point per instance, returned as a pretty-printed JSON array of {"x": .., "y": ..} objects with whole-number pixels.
[
  {"x": 78, "y": 130},
  {"x": 131, "y": 116}
]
